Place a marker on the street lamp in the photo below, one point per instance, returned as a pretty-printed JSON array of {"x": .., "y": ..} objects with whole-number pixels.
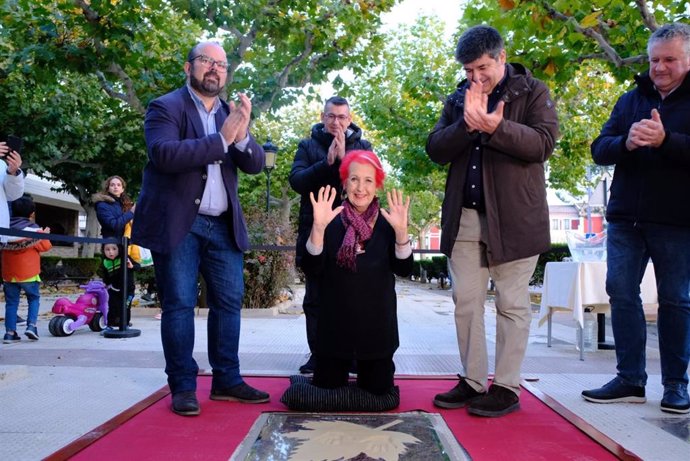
[{"x": 270, "y": 150}]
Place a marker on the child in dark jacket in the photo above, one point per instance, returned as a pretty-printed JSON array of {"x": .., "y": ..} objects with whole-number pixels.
[{"x": 111, "y": 272}]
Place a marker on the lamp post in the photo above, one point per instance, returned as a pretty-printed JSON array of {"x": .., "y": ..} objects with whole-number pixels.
[{"x": 270, "y": 150}]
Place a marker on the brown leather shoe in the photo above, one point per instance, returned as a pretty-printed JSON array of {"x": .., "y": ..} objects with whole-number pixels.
[
  {"x": 185, "y": 404},
  {"x": 498, "y": 401},
  {"x": 241, "y": 393},
  {"x": 457, "y": 397}
]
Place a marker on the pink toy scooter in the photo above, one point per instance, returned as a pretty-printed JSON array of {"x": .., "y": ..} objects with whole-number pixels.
[{"x": 90, "y": 308}]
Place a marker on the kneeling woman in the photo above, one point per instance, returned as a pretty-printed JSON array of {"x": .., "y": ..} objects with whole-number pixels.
[{"x": 357, "y": 249}]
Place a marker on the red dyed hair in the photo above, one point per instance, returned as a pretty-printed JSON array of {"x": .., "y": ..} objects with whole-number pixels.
[{"x": 366, "y": 157}]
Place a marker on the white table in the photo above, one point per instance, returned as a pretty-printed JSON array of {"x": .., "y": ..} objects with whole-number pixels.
[{"x": 575, "y": 285}]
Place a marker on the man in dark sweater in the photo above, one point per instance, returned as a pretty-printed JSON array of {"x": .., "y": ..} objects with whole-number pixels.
[{"x": 316, "y": 165}]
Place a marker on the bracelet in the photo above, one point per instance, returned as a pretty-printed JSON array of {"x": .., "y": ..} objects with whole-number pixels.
[{"x": 403, "y": 244}]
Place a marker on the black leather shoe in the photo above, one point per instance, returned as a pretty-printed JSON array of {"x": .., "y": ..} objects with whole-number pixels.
[
  {"x": 498, "y": 401},
  {"x": 457, "y": 397},
  {"x": 241, "y": 393},
  {"x": 615, "y": 391},
  {"x": 185, "y": 404}
]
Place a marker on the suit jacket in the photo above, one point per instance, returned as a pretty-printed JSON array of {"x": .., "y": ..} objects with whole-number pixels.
[{"x": 175, "y": 174}]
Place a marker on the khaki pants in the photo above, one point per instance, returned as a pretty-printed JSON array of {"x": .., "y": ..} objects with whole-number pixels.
[{"x": 470, "y": 273}]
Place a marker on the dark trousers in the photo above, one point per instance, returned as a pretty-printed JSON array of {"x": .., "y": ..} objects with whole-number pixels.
[
  {"x": 115, "y": 308},
  {"x": 375, "y": 376},
  {"x": 310, "y": 306}
]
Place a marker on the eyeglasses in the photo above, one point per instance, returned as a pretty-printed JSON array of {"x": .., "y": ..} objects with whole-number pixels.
[
  {"x": 209, "y": 62},
  {"x": 340, "y": 118}
]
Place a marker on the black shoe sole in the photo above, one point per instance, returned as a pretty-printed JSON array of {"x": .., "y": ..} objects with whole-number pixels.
[
  {"x": 229, "y": 398},
  {"x": 493, "y": 414},
  {"x": 187, "y": 412},
  {"x": 449, "y": 405}
]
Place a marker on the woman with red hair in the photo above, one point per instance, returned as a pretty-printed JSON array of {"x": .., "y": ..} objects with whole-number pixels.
[{"x": 357, "y": 249}]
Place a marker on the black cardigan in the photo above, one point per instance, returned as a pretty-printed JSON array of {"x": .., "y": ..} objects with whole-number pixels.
[{"x": 358, "y": 310}]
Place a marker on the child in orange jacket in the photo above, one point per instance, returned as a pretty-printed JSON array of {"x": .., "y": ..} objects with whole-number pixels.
[{"x": 21, "y": 268}]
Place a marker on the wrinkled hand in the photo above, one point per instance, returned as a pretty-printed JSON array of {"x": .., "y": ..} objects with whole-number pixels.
[
  {"x": 235, "y": 127},
  {"x": 647, "y": 132},
  {"x": 476, "y": 115},
  {"x": 398, "y": 214},
  {"x": 323, "y": 207},
  {"x": 337, "y": 147}
]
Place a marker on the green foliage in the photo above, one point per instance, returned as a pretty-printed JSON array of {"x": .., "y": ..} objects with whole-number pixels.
[
  {"x": 400, "y": 97},
  {"x": 435, "y": 268},
  {"x": 48, "y": 263},
  {"x": 557, "y": 252},
  {"x": 146, "y": 276},
  {"x": 56, "y": 267},
  {"x": 76, "y": 76},
  {"x": 266, "y": 272}
]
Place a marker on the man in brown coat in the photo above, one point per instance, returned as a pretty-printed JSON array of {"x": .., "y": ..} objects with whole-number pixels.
[{"x": 496, "y": 131}]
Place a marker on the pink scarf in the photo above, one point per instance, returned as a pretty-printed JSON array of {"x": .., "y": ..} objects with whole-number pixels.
[{"x": 358, "y": 229}]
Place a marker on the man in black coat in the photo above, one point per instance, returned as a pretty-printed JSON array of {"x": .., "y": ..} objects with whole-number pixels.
[
  {"x": 316, "y": 165},
  {"x": 647, "y": 138}
]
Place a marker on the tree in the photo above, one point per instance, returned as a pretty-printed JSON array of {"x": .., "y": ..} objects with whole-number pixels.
[
  {"x": 123, "y": 53},
  {"x": 401, "y": 98},
  {"x": 556, "y": 38}
]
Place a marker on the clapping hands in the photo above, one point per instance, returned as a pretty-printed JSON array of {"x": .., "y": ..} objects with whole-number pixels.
[{"x": 235, "y": 127}]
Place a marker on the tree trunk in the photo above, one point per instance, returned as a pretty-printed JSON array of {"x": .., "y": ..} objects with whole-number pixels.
[
  {"x": 92, "y": 230},
  {"x": 421, "y": 239}
]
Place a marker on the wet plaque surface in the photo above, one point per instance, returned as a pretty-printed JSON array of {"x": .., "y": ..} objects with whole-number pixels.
[
  {"x": 362, "y": 437},
  {"x": 679, "y": 427}
]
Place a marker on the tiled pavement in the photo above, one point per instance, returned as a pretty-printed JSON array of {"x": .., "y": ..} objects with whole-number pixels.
[{"x": 55, "y": 390}]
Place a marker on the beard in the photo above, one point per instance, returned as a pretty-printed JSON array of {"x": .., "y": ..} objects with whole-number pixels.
[{"x": 208, "y": 86}]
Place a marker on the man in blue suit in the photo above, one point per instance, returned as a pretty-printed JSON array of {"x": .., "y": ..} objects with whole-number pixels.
[{"x": 189, "y": 216}]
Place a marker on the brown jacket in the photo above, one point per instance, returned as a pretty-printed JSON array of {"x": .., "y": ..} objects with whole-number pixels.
[{"x": 513, "y": 167}]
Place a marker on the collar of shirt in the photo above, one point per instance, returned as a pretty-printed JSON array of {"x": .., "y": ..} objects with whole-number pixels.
[{"x": 200, "y": 104}]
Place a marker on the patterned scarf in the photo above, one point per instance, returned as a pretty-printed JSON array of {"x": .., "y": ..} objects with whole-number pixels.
[{"x": 358, "y": 229}]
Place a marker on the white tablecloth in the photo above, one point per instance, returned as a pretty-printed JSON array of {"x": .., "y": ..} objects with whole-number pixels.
[{"x": 575, "y": 285}]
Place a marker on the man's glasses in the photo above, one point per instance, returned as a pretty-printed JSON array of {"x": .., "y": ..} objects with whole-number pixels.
[
  {"x": 222, "y": 66},
  {"x": 340, "y": 118}
]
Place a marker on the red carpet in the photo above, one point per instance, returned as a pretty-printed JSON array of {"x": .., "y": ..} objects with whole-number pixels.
[{"x": 150, "y": 431}]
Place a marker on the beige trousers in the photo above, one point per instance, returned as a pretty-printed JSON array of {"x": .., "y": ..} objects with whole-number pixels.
[{"x": 470, "y": 273}]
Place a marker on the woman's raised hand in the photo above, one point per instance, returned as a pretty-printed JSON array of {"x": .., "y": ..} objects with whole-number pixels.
[
  {"x": 323, "y": 207},
  {"x": 398, "y": 214}
]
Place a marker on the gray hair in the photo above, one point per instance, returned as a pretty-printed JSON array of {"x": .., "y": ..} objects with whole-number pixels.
[
  {"x": 478, "y": 41},
  {"x": 336, "y": 101},
  {"x": 669, "y": 32},
  {"x": 195, "y": 51}
]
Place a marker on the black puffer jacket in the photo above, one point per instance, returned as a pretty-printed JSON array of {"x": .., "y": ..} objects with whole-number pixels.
[
  {"x": 311, "y": 171},
  {"x": 649, "y": 184}
]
